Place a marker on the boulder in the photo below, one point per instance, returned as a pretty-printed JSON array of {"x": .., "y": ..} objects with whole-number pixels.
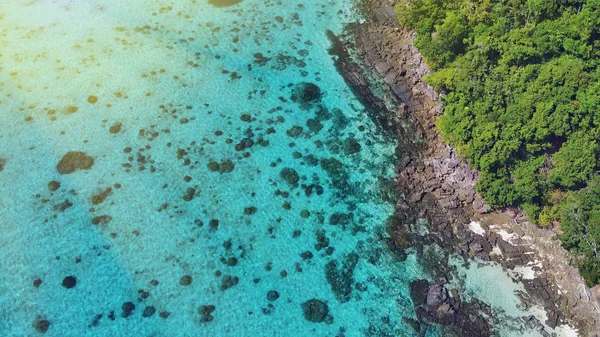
[
  {"x": 436, "y": 295},
  {"x": 418, "y": 291}
]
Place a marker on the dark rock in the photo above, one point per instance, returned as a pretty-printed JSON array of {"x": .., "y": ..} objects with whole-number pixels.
[
  {"x": 61, "y": 207},
  {"x": 306, "y": 94},
  {"x": 307, "y": 255},
  {"x": 343, "y": 219},
  {"x": 73, "y": 161},
  {"x": 553, "y": 319},
  {"x": 226, "y": 166},
  {"x": 149, "y": 311},
  {"x": 41, "y": 325},
  {"x": 228, "y": 281},
  {"x": 436, "y": 295},
  {"x": 295, "y": 131},
  {"x": 314, "y": 125},
  {"x": 418, "y": 291},
  {"x": 127, "y": 309},
  {"x": 69, "y": 282},
  {"x": 213, "y": 166},
  {"x": 37, "y": 283},
  {"x": 96, "y": 320},
  {"x": 480, "y": 206},
  {"x": 382, "y": 68},
  {"x": 290, "y": 176},
  {"x": 414, "y": 324},
  {"x": 272, "y": 296},
  {"x": 331, "y": 165},
  {"x": 351, "y": 146},
  {"x": 315, "y": 310},
  {"x": 205, "y": 312},
  {"x": 250, "y": 210},
  {"x": 322, "y": 240},
  {"x": 185, "y": 280}
]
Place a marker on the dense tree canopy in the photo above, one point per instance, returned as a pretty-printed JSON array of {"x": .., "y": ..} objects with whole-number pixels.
[{"x": 522, "y": 103}]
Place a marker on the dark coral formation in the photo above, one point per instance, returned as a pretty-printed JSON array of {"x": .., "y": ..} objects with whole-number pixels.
[
  {"x": 149, "y": 311},
  {"x": 127, "y": 309},
  {"x": 341, "y": 277},
  {"x": 306, "y": 94},
  {"x": 53, "y": 185},
  {"x": 289, "y": 175},
  {"x": 205, "y": 312},
  {"x": 315, "y": 310},
  {"x": 226, "y": 166}
]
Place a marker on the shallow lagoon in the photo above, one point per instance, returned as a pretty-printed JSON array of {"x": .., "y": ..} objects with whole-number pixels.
[
  {"x": 187, "y": 111},
  {"x": 217, "y": 202}
]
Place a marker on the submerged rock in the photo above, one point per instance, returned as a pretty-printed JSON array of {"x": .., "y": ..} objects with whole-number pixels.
[
  {"x": 73, "y": 161},
  {"x": 272, "y": 295},
  {"x": 315, "y": 310},
  {"x": 185, "y": 280},
  {"x": 205, "y": 312},
  {"x": 351, "y": 146},
  {"x": 306, "y": 94},
  {"x": 436, "y": 295},
  {"x": 418, "y": 291},
  {"x": 69, "y": 282},
  {"x": 149, "y": 311},
  {"x": 41, "y": 325},
  {"x": 289, "y": 175},
  {"x": 127, "y": 309},
  {"x": 53, "y": 185},
  {"x": 343, "y": 219},
  {"x": 229, "y": 281}
]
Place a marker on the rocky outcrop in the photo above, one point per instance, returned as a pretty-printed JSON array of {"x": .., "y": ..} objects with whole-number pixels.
[
  {"x": 433, "y": 304},
  {"x": 433, "y": 182}
]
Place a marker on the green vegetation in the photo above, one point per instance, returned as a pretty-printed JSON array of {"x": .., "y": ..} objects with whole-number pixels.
[{"x": 522, "y": 104}]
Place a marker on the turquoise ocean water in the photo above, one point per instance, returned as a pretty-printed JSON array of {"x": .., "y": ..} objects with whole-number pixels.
[{"x": 216, "y": 204}]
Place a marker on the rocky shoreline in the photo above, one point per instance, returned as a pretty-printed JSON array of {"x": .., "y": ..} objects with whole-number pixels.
[{"x": 432, "y": 182}]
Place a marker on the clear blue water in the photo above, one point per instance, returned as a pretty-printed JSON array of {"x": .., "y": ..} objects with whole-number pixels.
[{"x": 187, "y": 112}]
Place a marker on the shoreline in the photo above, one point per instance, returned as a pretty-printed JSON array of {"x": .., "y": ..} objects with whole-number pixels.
[{"x": 439, "y": 186}]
